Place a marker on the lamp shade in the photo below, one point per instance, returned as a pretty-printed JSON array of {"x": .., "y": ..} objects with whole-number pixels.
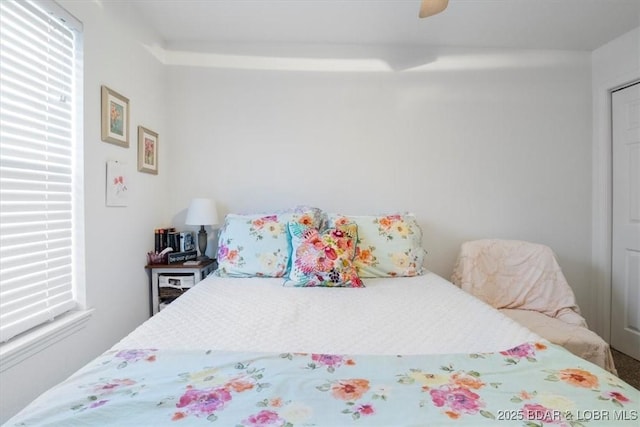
[{"x": 202, "y": 212}]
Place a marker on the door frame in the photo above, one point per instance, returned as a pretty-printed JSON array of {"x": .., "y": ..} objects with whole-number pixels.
[{"x": 602, "y": 202}]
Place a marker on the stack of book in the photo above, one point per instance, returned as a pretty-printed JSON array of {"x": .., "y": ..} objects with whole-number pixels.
[
  {"x": 165, "y": 238},
  {"x": 169, "y": 238}
]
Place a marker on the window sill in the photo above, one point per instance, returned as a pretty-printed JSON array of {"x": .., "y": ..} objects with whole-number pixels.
[{"x": 23, "y": 347}]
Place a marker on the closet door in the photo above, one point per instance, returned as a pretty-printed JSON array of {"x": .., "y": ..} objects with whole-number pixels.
[{"x": 625, "y": 294}]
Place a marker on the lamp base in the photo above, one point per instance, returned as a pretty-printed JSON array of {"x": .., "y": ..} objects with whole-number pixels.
[{"x": 202, "y": 244}]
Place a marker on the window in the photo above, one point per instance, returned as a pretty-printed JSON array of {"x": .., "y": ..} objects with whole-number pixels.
[{"x": 41, "y": 219}]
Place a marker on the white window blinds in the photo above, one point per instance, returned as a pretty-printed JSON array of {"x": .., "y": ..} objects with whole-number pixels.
[{"x": 38, "y": 171}]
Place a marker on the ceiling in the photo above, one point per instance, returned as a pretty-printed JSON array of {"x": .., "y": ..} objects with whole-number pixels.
[{"x": 527, "y": 24}]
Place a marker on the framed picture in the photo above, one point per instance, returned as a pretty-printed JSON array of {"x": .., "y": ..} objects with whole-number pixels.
[
  {"x": 115, "y": 118},
  {"x": 147, "y": 150},
  {"x": 117, "y": 184}
]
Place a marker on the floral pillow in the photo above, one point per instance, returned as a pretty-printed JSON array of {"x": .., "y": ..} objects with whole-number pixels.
[
  {"x": 323, "y": 258},
  {"x": 258, "y": 245},
  {"x": 388, "y": 245}
]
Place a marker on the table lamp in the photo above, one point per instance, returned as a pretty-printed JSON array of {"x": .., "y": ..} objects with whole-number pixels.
[{"x": 202, "y": 212}]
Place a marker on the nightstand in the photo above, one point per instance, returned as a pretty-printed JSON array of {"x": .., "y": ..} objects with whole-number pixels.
[{"x": 169, "y": 281}]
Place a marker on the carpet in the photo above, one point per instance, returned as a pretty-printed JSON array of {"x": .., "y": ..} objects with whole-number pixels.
[{"x": 628, "y": 368}]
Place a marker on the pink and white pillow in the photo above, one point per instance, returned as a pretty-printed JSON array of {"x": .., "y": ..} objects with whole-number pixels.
[{"x": 323, "y": 258}]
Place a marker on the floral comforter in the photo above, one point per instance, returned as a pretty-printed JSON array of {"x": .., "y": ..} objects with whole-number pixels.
[{"x": 533, "y": 384}]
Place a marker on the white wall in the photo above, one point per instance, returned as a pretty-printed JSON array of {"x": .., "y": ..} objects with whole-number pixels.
[
  {"x": 613, "y": 65},
  {"x": 116, "y": 238},
  {"x": 478, "y": 143}
]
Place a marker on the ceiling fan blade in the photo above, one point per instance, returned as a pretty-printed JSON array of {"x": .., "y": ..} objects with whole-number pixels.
[{"x": 431, "y": 7}]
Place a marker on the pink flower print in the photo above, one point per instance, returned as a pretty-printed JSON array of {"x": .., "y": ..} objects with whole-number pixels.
[
  {"x": 149, "y": 148},
  {"x": 327, "y": 359},
  {"x": 114, "y": 384},
  {"x": 331, "y": 253},
  {"x": 337, "y": 233},
  {"x": 521, "y": 351},
  {"x": 97, "y": 404},
  {"x": 311, "y": 237},
  {"x": 118, "y": 183},
  {"x": 264, "y": 418},
  {"x": 365, "y": 409},
  {"x": 203, "y": 402},
  {"x": 324, "y": 263},
  {"x": 135, "y": 355},
  {"x": 538, "y": 412},
  {"x": 459, "y": 399},
  {"x": 223, "y": 251},
  {"x": 306, "y": 258},
  {"x": 346, "y": 245},
  {"x": 117, "y": 383},
  {"x": 614, "y": 395}
]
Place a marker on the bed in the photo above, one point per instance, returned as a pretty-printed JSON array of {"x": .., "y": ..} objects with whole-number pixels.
[{"x": 403, "y": 350}]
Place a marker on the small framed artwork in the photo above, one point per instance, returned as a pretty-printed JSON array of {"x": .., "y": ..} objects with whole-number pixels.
[
  {"x": 147, "y": 150},
  {"x": 115, "y": 118},
  {"x": 117, "y": 184}
]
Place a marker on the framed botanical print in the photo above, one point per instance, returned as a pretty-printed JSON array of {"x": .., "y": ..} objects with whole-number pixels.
[
  {"x": 115, "y": 118},
  {"x": 147, "y": 150}
]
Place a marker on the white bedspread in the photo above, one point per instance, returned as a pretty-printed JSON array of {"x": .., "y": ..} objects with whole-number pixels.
[{"x": 419, "y": 315}]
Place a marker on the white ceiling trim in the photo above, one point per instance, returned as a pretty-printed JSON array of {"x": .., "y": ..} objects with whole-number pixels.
[{"x": 373, "y": 60}]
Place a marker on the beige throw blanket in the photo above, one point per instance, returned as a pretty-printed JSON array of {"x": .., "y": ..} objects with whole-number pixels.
[
  {"x": 517, "y": 275},
  {"x": 524, "y": 281}
]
